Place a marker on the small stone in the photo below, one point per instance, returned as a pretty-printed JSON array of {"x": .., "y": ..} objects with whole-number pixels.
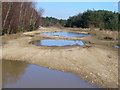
[
  {"x": 90, "y": 73},
  {"x": 105, "y": 75},
  {"x": 86, "y": 76},
  {"x": 77, "y": 68},
  {"x": 98, "y": 73},
  {"x": 92, "y": 81}
]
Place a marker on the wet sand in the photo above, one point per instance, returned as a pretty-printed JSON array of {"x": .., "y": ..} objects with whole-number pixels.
[{"x": 97, "y": 62}]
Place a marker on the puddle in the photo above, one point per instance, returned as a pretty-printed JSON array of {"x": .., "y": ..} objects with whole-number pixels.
[
  {"x": 60, "y": 42},
  {"x": 18, "y": 74},
  {"x": 66, "y": 34},
  {"x": 116, "y": 46}
]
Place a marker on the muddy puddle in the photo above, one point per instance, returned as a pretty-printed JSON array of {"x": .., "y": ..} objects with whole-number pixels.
[
  {"x": 66, "y": 34},
  {"x": 60, "y": 42},
  {"x": 18, "y": 74}
]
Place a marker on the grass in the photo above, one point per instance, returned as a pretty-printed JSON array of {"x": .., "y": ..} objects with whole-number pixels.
[
  {"x": 104, "y": 34},
  {"x": 108, "y": 38},
  {"x": 6, "y": 38}
]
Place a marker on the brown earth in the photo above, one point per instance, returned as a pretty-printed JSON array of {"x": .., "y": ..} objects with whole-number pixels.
[{"x": 97, "y": 62}]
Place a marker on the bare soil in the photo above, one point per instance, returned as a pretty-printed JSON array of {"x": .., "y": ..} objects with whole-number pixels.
[{"x": 97, "y": 62}]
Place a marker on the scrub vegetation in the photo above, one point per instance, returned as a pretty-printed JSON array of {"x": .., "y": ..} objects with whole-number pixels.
[
  {"x": 101, "y": 19},
  {"x": 50, "y": 21}
]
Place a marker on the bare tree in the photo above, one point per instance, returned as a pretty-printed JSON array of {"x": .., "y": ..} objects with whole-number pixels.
[
  {"x": 4, "y": 21},
  {"x": 18, "y": 16}
]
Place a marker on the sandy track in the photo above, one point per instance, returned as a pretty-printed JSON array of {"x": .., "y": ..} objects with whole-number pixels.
[{"x": 97, "y": 64}]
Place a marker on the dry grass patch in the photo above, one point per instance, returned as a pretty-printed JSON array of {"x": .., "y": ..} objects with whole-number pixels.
[
  {"x": 105, "y": 34},
  {"x": 6, "y": 38}
]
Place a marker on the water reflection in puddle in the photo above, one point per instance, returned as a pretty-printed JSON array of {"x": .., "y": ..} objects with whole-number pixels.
[
  {"x": 116, "y": 46},
  {"x": 66, "y": 34},
  {"x": 18, "y": 74},
  {"x": 60, "y": 42}
]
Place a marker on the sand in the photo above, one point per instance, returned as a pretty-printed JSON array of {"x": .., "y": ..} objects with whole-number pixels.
[{"x": 96, "y": 62}]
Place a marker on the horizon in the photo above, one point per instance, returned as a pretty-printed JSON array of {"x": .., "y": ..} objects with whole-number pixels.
[
  {"x": 64, "y": 10},
  {"x": 73, "y": 15}
]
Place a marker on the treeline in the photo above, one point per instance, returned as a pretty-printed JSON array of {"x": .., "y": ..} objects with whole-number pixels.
[
  {"x": 50, "y": 21},
  {"x": 95, "y": 19},
  {"x": 19, "y": 17}
]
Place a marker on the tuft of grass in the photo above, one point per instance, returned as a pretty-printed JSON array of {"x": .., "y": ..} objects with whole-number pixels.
[
  {"x": 105, "y": 34},
  {"x": 108, "y": 38},
  {"x": 6, "y": 38}
]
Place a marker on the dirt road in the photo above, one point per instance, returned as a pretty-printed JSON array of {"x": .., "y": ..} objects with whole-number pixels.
[{"x": 95, "y": 63}]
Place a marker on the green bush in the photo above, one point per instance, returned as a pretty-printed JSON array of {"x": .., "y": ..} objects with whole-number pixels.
[
  {"x": 102, "y": 19},
  {"x": 31, "y": 27}
]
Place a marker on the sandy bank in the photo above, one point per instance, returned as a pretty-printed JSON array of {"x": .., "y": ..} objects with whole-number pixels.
[{"x": 97, "y": 64}]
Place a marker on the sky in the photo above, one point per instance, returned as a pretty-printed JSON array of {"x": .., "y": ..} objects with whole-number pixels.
[{"x": 63, "y": 10}]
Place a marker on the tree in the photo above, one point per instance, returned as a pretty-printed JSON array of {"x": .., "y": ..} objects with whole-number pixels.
[
  {"x": 50, "y": 21},
  {"x": 19, "y": 16},
  {"x": 102, "y": 19}
]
